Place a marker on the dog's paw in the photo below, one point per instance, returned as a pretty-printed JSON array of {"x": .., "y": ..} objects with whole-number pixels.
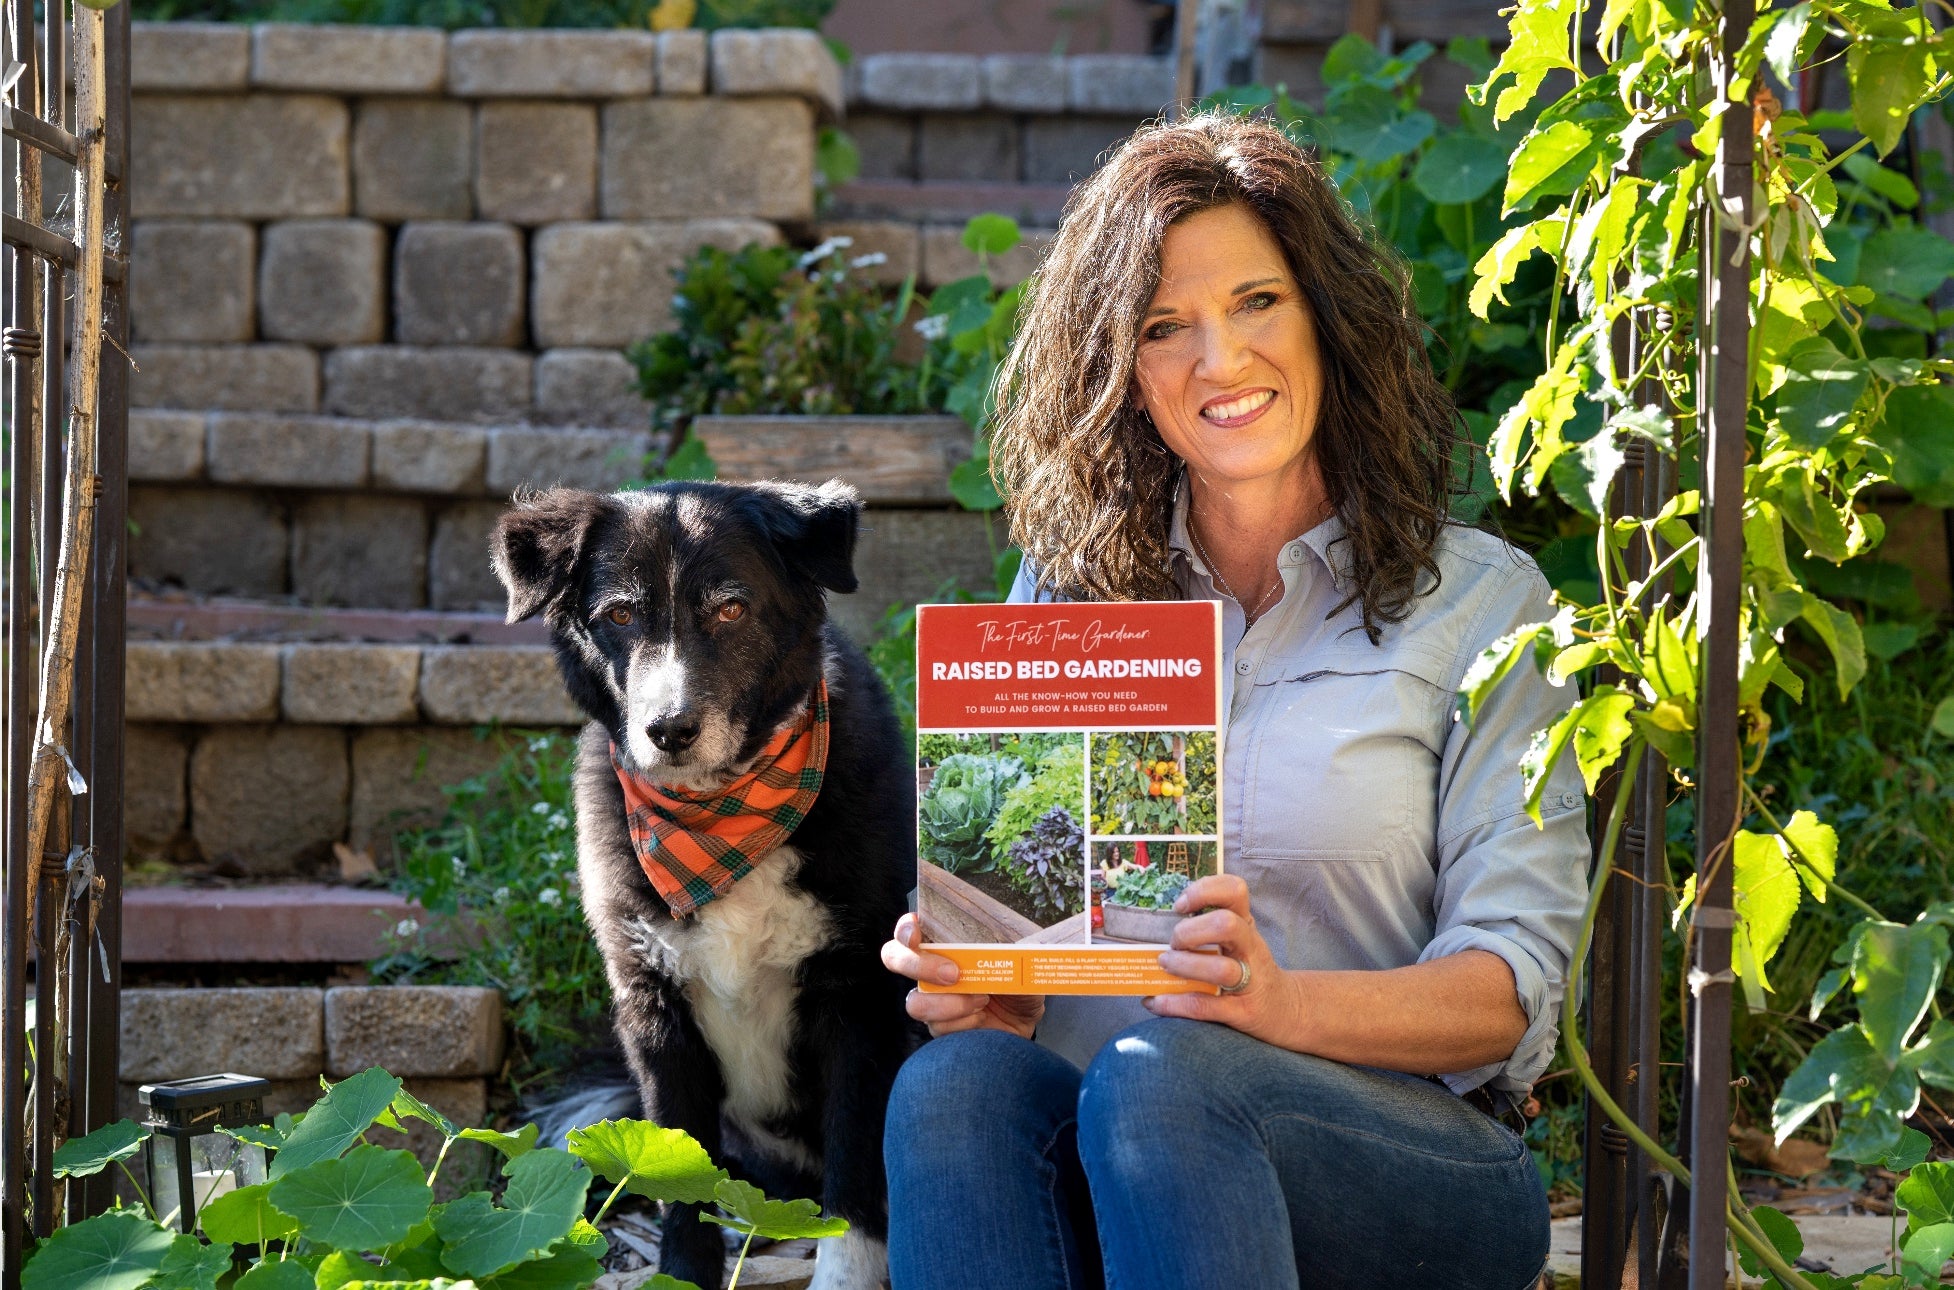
[{"x": 851, "y": 1261}]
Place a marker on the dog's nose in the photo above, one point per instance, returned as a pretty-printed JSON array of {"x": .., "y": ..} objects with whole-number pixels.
[{"x": 674, "y": 732}]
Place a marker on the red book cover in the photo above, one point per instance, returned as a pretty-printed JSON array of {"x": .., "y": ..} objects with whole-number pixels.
[{"x": 1068, "y": 776}]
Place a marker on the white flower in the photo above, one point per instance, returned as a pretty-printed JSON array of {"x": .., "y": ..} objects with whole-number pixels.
[
  {"x": 559, "y": 821},
  {"x": 541, "y": 808},
  {"x": 406, "y": 927},
  {"x": 870, "y": 260},
  {"x": 934, "y": 327},
  {"x": 539, "y": 744},
  {"x": 461, "y": 866},
  {"x": 825, "y": 250},
  {"x": 501, "y": 896},
  {"x": 549, "y": 896}
]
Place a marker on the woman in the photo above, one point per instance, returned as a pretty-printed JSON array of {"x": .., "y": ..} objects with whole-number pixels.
[{"x": 1220, "y": 390}]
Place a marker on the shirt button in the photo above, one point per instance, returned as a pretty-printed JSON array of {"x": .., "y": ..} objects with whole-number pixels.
[
  {"x": 1296, "y": 551},
  {"x": 1570, "y": 799},
  {"x": 1241, "y": 667}
]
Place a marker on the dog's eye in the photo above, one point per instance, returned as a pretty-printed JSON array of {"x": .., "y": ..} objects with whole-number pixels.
[
  {"x": 731, "y": 612},
  {"x": 620, "y": 616}
]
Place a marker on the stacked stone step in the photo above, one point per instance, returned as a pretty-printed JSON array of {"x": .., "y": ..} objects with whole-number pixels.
[
  {"x": 445, "y": 1042},
  {"x": 382, "y": 279}
]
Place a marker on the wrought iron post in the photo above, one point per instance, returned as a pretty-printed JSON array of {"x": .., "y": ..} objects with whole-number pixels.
[{"x": 1723, "y": 400}]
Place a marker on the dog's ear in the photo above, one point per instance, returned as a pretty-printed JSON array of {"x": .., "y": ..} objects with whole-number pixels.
[
  {"x": 537, "y": 544},
  {"x": 813, "y": 529}
]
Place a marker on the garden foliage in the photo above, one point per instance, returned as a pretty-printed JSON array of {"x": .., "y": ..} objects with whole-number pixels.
[
  {"x": 964, "y": 796},
  {"x": 340, "y": 1214},
  {"x": 1612, "y": 183}
]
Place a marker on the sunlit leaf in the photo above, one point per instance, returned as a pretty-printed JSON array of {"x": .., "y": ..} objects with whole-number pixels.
[
  {"x": 367, "y": 1199},
  {"x": 543, "y": 1200},
  {"x": 1821, "y": 387},
  {"x": 1766, "y": 895},
  {"x": 1495, "y": 269},
  {"x": 276, "y": 1274},
  {"x": 511, "y": 1145},
  {"x": 1600, "y": 731},
  {"x": 656, "y": 1163},
  {"x": 1840, "y": 632},
  {"x": 94, "y": 1152},
  {"x": 1888, "y": 79},
  {"x": 347, "y": 1110},
  {"x": 245, "y": 1216},
  {"x": 990, "y": 234},
  {"x": 1550, "y": 163},
  {"x": 1780, "y": 1231},
  {"x": 119, "y": 1250},
  {"x": 1925, "y": 1250},
  {"x": 1895, "y": 970},
  {"x": 750, "y": 1211},
  {"x": 192, "y": 1265},
  {"x": 1817, "y": 846}
]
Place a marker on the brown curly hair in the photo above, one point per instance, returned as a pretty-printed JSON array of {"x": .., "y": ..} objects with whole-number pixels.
[{"x": 1087, "y": 477}]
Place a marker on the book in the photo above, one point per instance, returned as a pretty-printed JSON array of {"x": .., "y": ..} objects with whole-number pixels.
[{"x": 1068, "y": 777}]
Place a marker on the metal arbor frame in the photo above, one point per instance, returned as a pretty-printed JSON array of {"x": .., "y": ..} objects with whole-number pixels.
[
  {"x": 1639, "y": 1226},
  {"x": 66, "y": 423}
]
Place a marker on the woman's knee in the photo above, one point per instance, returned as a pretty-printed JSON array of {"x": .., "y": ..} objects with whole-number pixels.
[
  {"x": 975, "y": 1091},
  {"x": 1167, "y": 1069}
]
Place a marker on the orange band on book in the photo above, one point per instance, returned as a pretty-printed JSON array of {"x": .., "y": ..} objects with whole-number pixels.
[{"x": 1060, "y": 969}]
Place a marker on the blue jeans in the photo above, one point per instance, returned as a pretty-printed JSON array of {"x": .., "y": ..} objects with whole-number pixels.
[{"x": 1190, "y": 1155}]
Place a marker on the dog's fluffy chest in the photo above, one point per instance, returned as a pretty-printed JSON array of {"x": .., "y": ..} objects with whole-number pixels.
[{"x": 736, "y": 960}]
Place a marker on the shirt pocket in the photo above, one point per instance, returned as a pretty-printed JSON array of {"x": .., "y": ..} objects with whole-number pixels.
[{"x": 1343, "y": 764}]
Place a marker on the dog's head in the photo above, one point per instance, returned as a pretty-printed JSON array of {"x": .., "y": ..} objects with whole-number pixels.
[{"x": 687, "y": 617}]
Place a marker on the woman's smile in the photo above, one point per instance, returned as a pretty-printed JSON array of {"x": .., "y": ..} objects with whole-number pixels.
[{"x": 1230, "y": 411}]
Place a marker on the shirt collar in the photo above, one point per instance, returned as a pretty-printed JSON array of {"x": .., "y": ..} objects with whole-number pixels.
[{"x": 1322, "y": 541}]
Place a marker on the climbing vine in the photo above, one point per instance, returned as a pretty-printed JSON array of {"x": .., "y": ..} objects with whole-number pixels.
[{"x": 1613, "y": 182}]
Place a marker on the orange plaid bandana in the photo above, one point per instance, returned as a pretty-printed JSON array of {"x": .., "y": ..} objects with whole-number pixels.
[{"x": 694, "y": 846}]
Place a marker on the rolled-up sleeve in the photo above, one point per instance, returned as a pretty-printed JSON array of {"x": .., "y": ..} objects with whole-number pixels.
[{"x": 1506, "y": 885}]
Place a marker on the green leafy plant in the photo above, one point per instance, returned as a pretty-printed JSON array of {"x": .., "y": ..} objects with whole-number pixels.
[
  {"x": 1144, "y": 887},
  {"x": 1829, "y": 416},
  {"x": 498, "y": 879},
  {"x": 1047, "y": 864},
  {"x": 338, "y": 1212},
  {"x": 1057, "y": 780},
  {"x": 955, "y": 812}
]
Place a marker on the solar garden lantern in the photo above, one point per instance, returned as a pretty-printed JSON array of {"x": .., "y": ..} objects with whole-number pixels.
[{"x": 190, "y": 1163}]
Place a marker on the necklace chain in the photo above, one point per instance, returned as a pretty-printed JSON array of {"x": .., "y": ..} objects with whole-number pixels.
[{"x": 1249, "y": 615}]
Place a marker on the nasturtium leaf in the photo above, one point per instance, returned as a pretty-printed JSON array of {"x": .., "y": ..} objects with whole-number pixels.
[
  {"x": 1909, "y": 262},
  {"x": 750, "y": 1211},
  {"x": 1926, "y": 1248},
  {"x": 94, "y": 1152},
  {"x": 119, "y": 1250},
  {"x": 663, "y": 1282},
  {"x": 972, "y": 487},
  {"x": 1942, "y": 722},
  {"x": 1766, "y": 896},
  {"x": 1780, "y": 1231},
  {"x": 1917, "y": 432},
  {"x": 1890, "y": 184},
  {"x": 1817, "y": 846},
  {"x": 564, "y": 1268},
  {"x": 1459, "y": 167},
  {"x": 336, "y": 1121},
  {"x": 1840, "y": 632},
  {"x": 406, "y": 1105},
  {"x": 658, "y": 1164},
  {"x": 690, "y": 460},
  {"x": 1601, "y": 730},
  {"x": 369, "y": 1198},
  {"x": 543, "y": 1201},
  {"x": 191, "y": 1265},
  {"x": 511, "y": 1145},
  {"x": 340, "y": 1268},
  {"x": 1914, "y": 1147},
  {"x": 1888, "y": 80},
  {"x": 1370, "y": 125},
  {"x": 276, "y": 1274},
  {"x": 1820, "y": 388},
  {"x": 261, "y": 1135},
  {"x": 1550, "y": 163},
  {"x": 245, "y": 1216},
  {"x": 1927, "y": 1194},
  {"x": 1887, "y": 641},
  {"x": 990, "y": 234},
  {"x": 1895, "y": 970}
]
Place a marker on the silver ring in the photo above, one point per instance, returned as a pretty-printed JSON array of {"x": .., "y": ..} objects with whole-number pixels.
[{"x": 1240, "y": 985}]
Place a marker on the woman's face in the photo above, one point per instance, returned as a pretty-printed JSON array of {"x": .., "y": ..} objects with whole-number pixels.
[{"x": 1227, "y": 363}]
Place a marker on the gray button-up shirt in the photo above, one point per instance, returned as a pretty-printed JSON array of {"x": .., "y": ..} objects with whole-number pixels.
[{"x": 1373, "y": 828}]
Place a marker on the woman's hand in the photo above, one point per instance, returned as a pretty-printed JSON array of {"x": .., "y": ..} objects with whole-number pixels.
[
  {"x": 946, "y": 1014},
  {"x": 1268, "y": 1008}
]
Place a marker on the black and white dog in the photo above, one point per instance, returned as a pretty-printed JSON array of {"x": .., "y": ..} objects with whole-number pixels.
[{"x": 690, "y": 624}]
